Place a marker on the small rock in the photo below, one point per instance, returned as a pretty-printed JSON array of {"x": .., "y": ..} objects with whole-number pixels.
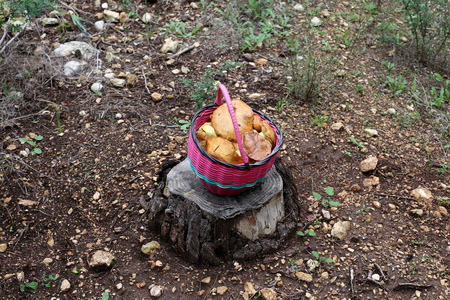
[
  {"x": 101, "y": 261},
  {"x": 255, "y": 96},
  {"x": 111, "y": 16},
  {"x": 248, "y": 57},
  {"x": 123, "y": 17},
  {"x": 169, "y": 46},
  {"x": 298, "y": 7},
  {"x": 221, "y": 290},
  {"x": 417, "y": 212},
  {"x": 268, "y": 294},
  {"x": 372, "y": 181},
  {"x": 443, "y": 211},
  {"x": 132, "y": 80},
  {"x": 316, "y": 22},
  {"x": 340, "y": 229},
  {"x": 337, "y": 126},
  {"x": 249, "y": 289},
  {"x": 47, "y": 261},
  {"x": 155, "y": 290},
  {"x": 304, "y": 276},
  {"x": 96, "y": 196},
  {"x": 49, "y": 21},
  {"x": 147, "y": 18},
  {"x": 39, "y": 51},
  {"x": 184, "y": 70},
  {"x": 326, "y": 214},
  {"x": 65, "y": 286},
  {"x": 156, "y": 97},
  {"x": 118, "y": 82},
  {"x": 206, "y": 280},
  {"x": 74, "y": 67},
  {"x": 261, "y": 62},
  {"x": 325, "y": 13},
  {"x": 355, "y": 188},
  {"x": 369, "y": 164},
  {"x": 391, "y": 111},
  {"x": 312, "y": 264},
  {"x": 97, "y": 87},
  {"x": 87, "y": 51},
  {"x": 371, "y": 132},
  {"x": 376, "y": 277},
  {"x": 150, "y": 248},
  {"x": 25, "y": 202},
  {"x": 325, "y": 275},
  {"x": 422, "y": 195},
  {"x": 376, "y": 204},
  {"x": 99, "y": 25},
  {"x": 3, "y": 248}
]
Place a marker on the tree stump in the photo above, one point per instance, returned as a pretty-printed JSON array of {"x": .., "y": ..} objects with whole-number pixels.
[{"x": 207, "y": 228}]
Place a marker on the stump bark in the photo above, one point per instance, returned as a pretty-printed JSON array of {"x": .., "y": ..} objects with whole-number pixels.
[{"x": 205, "y": 230}]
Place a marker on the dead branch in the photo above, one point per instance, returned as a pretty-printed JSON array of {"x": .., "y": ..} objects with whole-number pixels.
[
  {"x": 13, "y": 38},
  {"x": 182, "y": 51},
  {"x": 381, "y": 272},
  {"x": 352, "y": 278},
  {"x": 411, "y": 285}
]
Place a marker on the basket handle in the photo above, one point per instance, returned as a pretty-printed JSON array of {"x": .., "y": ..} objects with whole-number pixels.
[{"x": 223, "y": 91}]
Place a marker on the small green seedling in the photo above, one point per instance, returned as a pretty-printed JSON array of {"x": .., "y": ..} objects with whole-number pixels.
[
  {"x": 306, "y": 233},
  {"x": 354, "y": 141},
  {"x": 183, "y": 124},
  {"x": 321, "y": 258},
  {"x": 32, "y": 141},
  {"x": 30, "y": 285},
  {"x": 325, "y": 202},
  {"x": 105, "y": 296}
]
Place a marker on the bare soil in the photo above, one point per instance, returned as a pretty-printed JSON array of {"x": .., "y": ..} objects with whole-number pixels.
[{"x": 85, "y": 191}]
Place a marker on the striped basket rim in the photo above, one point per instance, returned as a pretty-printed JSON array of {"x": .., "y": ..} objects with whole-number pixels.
[{"x": 224, "y": 186}]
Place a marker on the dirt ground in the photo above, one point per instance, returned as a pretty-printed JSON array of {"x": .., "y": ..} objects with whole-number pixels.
[{"x": 101, "y": 154}]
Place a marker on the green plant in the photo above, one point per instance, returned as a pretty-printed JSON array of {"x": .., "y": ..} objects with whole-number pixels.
[
  {"x": 354, "y": 141},
  {"x": 325, "y": 202},
  {"x": 32, "y": 140},
  {"x": 306, "y": 233},
  {"x": 349, "y": 154},
  {"x": 429, "y": 22},
  {"x": 180, "y": 29},
  {"x": 360, "y": 89},
  {"x": 364, "y": 208},
  {"x": 320, "y": 120},
  {"x": 46, "y": 281},
  {"x": 321, "y": 258},
  {"x": 105, "y": 296},
  {"x": 389, "y": 66},
  {"x": 395, "y": 85},
  {"x": 28, "y": 285},
  {"x": 183, "y": 124},
  {"x": 204, "y": 89},
  {"x": 440, "y": 95},
  {"x": 77, "y": 21}
]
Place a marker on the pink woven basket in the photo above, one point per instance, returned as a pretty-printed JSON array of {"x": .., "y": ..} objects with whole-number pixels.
[{"x": 223, "y": 178}]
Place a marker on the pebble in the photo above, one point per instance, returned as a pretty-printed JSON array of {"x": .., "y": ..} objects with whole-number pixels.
[
  {"x": 150, "y": 248},
  {"x": 155, "y": 290},
  {"x": 340, "y": 229},
  {"x": 65, "y": 286},
  {"x": 369, "y": 164},
  {"x": 417, "y": 212},
  {"x": 156, "y": 97},
  {"x": 376, "y": 204},
  {"x": 111, "y": 16},
  {"x": 97, "y": 87},
  {"x": 118, "y": 82},
  {"x": 147, "y": 18},
  {"x": 101, "y": 261},
  {"x": 422, "y": 195},
  {"x": 99, "y": 25},
  {"x": 371, "y": 132},
  {"x": 221, "y": 290},
  {"x": 268, "y": 294},
  {"x": 3, "y": 248},
  {"x": 337, "y": 126},
  {"x": 304, "y": 276},
  {"x": 298, "y": 7},
  {"x": 316, "y": 22}
]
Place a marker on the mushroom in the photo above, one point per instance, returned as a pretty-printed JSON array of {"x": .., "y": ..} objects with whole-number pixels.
[
  {"x": 222, "y": 123},
  {"x": 256, "y": 146},
  {"x": 257, "y": 123},
  {"x": 268, "y": 132},
  {"x": 223, "y": 150},
  {"x": 206, "y": 131}
]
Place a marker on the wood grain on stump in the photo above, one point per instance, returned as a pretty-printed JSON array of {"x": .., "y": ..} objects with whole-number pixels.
[{"x": 207, "y": 228}]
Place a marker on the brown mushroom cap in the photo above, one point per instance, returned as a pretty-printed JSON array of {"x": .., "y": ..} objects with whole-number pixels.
[
  {"x": 257, "y": 123},
  {"x": 268, "y": 132},
  {"x": 222, "y": 123},
  {"x": 223, "y": 150},
  {"x": 206, "y": 131},
  {"x": 256, "y": 146}
]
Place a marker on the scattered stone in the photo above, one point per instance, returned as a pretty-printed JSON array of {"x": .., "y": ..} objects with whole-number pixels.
[
  {"x": 371, "y": 132},
  {"x": 255, "y": 96},
  {"x": 74, "y": 67},
  {"x": 169, "y": 46},
  {"x": 221, "y": 290},
  {"x": 312, "y": 264},
  {"x": 99, "y": 25},
  {"x": 443, "y": 211},
  {"x": 371, "y": 181},
  {"x": 97, "y": 87},
  {"x": 11, "y": 147},
  {"x": 25, "y": 202},
  {"x": 111, "y": 16},
  {"x": 101, "y": 261},
  {"x": 261, "y": 62},
  {"x": 316, "y": 22},
  {"x": 376, "y": 204},
  {"x": 325, "y": 275},
  {"x": 392, "y": 207},
  {"x": 155, "y": 290},
  {"x": 355, "y": 188},
  {"x": 49, "y": 21},
  {"x": 66, "y": 49},
  {"x": 304, "y": 276},
  {"x": 65, "y": 286},
  {"x": 47, "y": 261},
  {"x": 422, "y": 195},
  {"x": 337, "y": 126},
  {"x": 123, "y": 17},
  {"x": 184, "y": 70},
  {"x": 325, "y": 13},
  {"x": 326, "y": 214},
  {"x": 376, "y": 277},
  {"x": 206, "y": 280},
  {"x": 417, "y": 212},
  {"x": 444, "y": 201},
  {"x": 248, "y": 57},
  {"x": 268, "y": 294},
  {"x": 298, "y": 7},
  {"x": 369, "y": 164},
  {"x": 96, "y": 195},
  {"x": 132, "y": 80},
  {"x": 118, "y": 82},
  {"x": 39, "y": 51},
  {"x": 340, "y": 229},
  {"x": 391, "y": 111},
  {"x": 150, "y": 248},
  {"x": 156, "y": 97},
  {"x": 3, "y": 247},
  {"x": 147, "y": 18},
  {"x": 249, "y": 290}
]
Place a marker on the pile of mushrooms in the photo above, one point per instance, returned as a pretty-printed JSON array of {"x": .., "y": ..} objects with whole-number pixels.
[{"x": 219, "y": 139}]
